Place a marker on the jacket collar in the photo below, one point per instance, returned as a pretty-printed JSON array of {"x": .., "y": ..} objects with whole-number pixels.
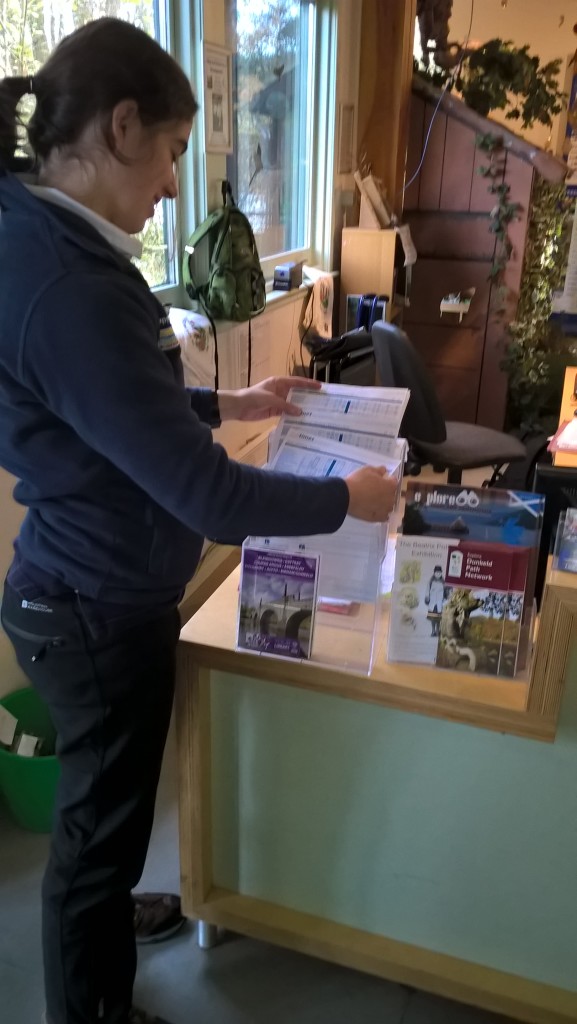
[{"x": 68, "y": 223}]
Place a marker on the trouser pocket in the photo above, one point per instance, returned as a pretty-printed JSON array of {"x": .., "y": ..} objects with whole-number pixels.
[
  {"x": 39, "y": 643},
  {"x": 36, "y": 627}
]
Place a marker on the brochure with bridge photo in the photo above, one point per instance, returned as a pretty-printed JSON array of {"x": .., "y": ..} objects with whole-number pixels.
[{"x": 277, "y": 601}]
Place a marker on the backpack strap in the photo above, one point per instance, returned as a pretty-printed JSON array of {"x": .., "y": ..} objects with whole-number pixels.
[
  {"x": 227, "y": 196},
  {"x": 195, "y": 239}
]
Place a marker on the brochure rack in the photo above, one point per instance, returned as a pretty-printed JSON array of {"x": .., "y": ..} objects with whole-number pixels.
[
  {"x": 464, "y": 579},
  {"x": 344, "y": 625},
  {"x": 318, "y": 598}
]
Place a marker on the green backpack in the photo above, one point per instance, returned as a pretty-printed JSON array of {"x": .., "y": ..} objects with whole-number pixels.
[{"x": 235, "y": 289}]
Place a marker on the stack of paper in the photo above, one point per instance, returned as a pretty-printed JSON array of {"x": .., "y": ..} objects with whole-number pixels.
[{"x": 341, "y": 429}]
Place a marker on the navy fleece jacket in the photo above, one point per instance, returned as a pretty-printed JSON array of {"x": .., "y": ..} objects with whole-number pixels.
[{"x": 121, "y": 478}]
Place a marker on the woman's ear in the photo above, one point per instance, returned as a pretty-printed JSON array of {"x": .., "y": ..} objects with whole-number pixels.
[{"x": 126, "y": 127}]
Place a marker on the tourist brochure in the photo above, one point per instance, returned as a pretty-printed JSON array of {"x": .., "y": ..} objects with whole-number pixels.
[
  {"x": 458, "y": 604},
  {"x": 278, "y": 594},
  {"x": 484, "y": 544}
]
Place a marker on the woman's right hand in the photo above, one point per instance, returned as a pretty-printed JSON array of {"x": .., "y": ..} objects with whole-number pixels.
[{"x": 372, "y": 494}]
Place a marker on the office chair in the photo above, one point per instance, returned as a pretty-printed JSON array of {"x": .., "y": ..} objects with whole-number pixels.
[
  {"x": 348, "y": 359},
  {"x": 447, "y": 445}
]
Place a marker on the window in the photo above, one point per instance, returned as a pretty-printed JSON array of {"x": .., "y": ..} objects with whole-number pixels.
[
  {"x": 30, "y": 31},
  {"x": 280, "y": 46}
]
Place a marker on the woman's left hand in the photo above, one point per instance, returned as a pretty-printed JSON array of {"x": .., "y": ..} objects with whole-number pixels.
[{"x": 263, "y": 400}]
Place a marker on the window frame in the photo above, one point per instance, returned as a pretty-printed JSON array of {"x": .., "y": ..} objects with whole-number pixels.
[{"x": 185, "y": 28}]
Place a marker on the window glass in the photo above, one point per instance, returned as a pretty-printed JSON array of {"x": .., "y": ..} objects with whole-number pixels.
[
  {"x": 29, "y": 31},
  {"x": 273, "y": 116}
]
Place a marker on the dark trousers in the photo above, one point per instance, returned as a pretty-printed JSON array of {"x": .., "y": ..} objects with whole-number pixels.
[{"x": 110, "y": 698}]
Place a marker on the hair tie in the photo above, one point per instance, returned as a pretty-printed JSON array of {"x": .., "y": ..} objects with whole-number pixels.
[{"x": 31, "y": 84}]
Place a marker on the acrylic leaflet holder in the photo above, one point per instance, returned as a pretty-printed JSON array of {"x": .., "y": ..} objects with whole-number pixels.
[
  {"x": 314, "y": 598},
  {"x": 464, "y": 579}
]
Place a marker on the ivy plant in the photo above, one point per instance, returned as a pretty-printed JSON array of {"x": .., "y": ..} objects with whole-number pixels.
[{"x": 536, "y": 351}]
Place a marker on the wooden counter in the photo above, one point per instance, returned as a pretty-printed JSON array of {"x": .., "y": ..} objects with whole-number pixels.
[{"x": 435, "y": 848}]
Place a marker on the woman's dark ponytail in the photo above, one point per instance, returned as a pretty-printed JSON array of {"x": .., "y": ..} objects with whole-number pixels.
[
  {"x": 11, "y": 92},
  {"x": 89, "y": 72}
]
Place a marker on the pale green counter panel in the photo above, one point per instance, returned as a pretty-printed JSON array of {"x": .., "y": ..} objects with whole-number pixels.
[{"x": 437, "y": 834}]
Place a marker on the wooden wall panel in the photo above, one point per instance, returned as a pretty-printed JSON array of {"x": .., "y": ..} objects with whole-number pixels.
[
  {"x": 458, "y": 347},
  {"x": 414, "y": 151},
  {"x": 457, "y": 391},
  {"x": 432, "y": 279},
  {"x": 432, "y": 169},
  {"x": 457, "y": 173},
  {"x": 457, "y": 235}
]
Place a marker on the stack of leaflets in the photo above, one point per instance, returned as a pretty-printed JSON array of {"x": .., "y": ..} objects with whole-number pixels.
[
  {"x": 341, "y": 429},
  {"x": 464, "y": 578}
]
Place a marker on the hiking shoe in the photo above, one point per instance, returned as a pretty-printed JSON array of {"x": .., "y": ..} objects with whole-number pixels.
[{"x": 157, "y": 916}]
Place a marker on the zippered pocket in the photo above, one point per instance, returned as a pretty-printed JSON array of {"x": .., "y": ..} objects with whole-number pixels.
[{"x": 44, "y": 642}]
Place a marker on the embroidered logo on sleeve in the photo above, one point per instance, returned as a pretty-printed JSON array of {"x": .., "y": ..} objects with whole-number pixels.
[{"x": 167, "y": 339}]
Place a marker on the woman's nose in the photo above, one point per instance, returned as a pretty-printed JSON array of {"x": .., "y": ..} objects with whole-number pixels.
[{"x": 171, "y": 187}]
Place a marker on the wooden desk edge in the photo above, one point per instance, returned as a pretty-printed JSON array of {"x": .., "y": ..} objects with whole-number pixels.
[
  {"x": 322, "y": 679},
  {"x": 526, "y": 709},
  {"x": 443, "y": 975}
]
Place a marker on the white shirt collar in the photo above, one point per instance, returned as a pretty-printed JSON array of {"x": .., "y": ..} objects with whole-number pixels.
[{"x": 118, "y": 239}]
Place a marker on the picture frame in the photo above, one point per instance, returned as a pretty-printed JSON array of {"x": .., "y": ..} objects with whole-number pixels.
[{"x": 217, "y": 99}]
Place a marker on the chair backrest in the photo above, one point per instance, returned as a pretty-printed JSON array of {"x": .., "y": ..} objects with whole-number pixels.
[{"x": 400, "y": 366}]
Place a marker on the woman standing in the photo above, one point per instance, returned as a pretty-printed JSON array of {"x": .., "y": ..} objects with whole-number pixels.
[{"x": 117, "y": 467}]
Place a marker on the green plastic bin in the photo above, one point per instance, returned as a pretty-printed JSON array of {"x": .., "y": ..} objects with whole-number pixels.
[{"x": 28, "y": 784}]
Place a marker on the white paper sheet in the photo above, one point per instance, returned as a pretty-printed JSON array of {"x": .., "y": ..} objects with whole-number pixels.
[
  {"x": 304, "y": 453},
  {"x": 378, "y": 410},
  {"x": 393, "y": 447}
]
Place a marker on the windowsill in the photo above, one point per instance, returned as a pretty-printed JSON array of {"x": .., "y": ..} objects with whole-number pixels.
[{"x": 276, "y": 297}]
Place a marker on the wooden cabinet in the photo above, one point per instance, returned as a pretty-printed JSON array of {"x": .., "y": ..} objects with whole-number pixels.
[{"x": 367, "y": 265}]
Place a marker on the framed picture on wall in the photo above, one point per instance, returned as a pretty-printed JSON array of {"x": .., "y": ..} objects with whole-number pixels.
[{"x": 217, "y": 99}]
